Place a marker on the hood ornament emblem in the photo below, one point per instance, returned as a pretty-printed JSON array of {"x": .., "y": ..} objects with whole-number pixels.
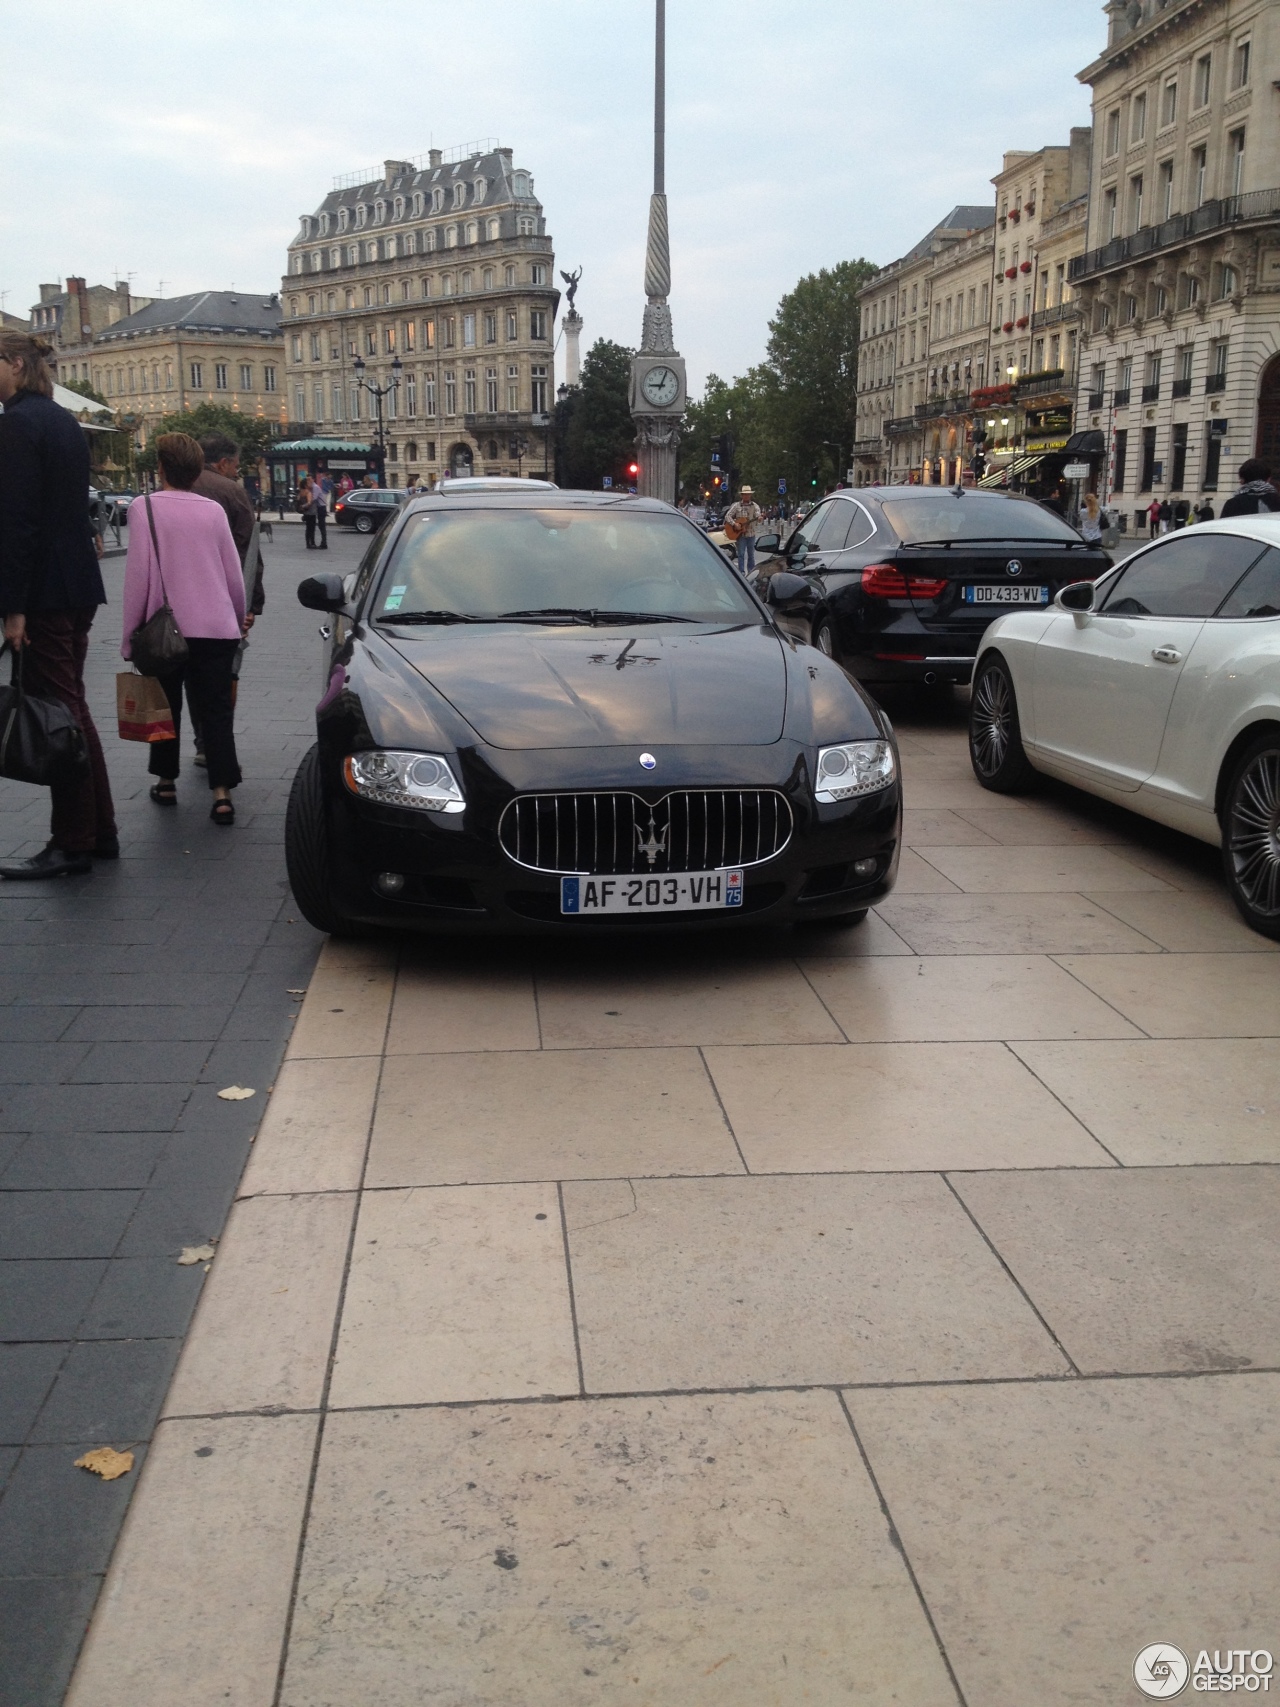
[
  {"x": 654, "y": 845},
  {"x": 1014, "y": 566},
  {"x": 648, "y": 761}
]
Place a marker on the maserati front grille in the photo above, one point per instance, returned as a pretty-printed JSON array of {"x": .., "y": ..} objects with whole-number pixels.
[{"x": 689, "y": 830}]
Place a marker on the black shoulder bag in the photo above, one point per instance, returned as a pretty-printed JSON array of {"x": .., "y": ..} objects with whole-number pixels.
[
  {"x": 157, "y": 646},
  {"x": 40, "y": 741}
]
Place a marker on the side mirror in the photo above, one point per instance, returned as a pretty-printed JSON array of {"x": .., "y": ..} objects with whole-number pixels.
[
  {"x": 1079, "y": 597},
  {"x": 322, "y": 592},
  {"x": 783, "y": 587},
  {"x": 768, "y": 544}
]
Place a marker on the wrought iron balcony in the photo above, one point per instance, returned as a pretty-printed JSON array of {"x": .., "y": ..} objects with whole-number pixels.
[
  {"x": 867, "y": 447},
  {"x": 1055, "y": 316},
  {"x": 1182, "y": 228},
  {"x": 1182, "y": 388},
  {"x": 899, "y": 425},
  {"x": 1120, "y": 399},
  {"x": 1151, "y": 393},
  {"x": 1096, "y": 399},
  {"x": 1215, "y": 382}
]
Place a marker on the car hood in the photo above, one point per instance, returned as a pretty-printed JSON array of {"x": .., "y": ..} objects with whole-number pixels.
[{"x": 604, "y": 687}]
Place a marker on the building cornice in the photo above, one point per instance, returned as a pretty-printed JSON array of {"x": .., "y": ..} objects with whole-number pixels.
[{"x": 1164, "y": 22}]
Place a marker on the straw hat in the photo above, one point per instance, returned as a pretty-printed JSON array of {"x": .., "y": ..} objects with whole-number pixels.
[{"x": 745, "y": 492}]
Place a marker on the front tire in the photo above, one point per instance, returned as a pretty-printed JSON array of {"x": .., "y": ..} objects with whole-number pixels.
[
  {"x": 824, "y": 637},
  {"x": 306, "y": 847},
  {"x": 995, "y": 735},
  {"x": 1251, "y": 835}
]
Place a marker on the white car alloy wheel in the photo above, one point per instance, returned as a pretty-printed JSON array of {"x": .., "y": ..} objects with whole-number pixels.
[
  {"x": 1251, "y": 836},
  {"x": 995, "y": 741}
]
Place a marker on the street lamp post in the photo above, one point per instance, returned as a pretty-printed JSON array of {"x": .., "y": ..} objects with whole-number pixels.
[{"x": 378, "y": 392}]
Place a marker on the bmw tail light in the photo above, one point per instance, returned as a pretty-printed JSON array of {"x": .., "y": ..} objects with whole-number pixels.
[{"x": 886, "y": 581}]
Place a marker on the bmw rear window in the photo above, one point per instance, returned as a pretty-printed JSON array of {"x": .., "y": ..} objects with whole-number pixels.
[{"x": 976, "y": 516}]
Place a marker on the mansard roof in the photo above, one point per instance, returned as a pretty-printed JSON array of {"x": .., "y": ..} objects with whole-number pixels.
[{"x": 245, "y": 312}]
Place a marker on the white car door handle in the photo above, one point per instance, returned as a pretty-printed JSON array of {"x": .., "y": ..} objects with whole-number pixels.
[{"x": 1166, "y": 654}]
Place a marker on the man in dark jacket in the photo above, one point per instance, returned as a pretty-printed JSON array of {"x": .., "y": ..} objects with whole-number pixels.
[
  {"x": 50, "y": 590},
  {"x": 1256, "y": 494}
]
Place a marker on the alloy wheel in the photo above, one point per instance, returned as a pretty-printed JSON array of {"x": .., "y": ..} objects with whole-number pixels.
[
  {"x": 991, "y": 725},
  {"x": 823, "y": 640},
  {"x": 1253, "y": 833}
]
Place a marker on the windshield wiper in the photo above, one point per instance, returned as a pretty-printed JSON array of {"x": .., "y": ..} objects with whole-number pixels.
[
  {"x": 430, "y": 616},
  {"x": 590, "y": 618}
]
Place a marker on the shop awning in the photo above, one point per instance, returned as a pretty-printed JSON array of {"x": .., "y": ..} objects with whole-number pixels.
[
  {"x": 1092, "y": 442},
  {"x": 1019, "y": 465}
]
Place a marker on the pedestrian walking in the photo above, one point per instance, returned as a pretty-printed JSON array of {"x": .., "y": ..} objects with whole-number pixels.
[
  {"x": 1256, "y": 493},
  {"x": 1166, "y": 515},
  {"x": 305, "y": 504},
  {"x": 1153, "y": 517},
  {"x": 220, "y": 482},
  {"x": 320, "y": 506},
  {"x": 50, "y": 590},
  {"x": 1091, "y": 520},
  {"x": 1203, "y": 511},
  {"x": 181, "y": 551},
  {"x": 742, "y": 523}
]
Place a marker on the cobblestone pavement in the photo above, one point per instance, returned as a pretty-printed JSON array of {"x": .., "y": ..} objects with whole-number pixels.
[
  {"x": 886, "y": 1314},
  {"x": 127, "y": 1000}
]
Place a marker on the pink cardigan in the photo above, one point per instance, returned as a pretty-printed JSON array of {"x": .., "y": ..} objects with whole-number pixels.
[{"x": 202, "y": 573}]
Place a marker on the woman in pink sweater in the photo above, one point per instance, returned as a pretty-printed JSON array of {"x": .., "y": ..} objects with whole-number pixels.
[{"x": 205, "y": 586}]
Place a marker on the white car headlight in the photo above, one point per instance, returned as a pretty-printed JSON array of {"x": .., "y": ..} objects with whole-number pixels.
[
  {"x": 854, "y": 767},
  {"x": 421, "y": 780}
]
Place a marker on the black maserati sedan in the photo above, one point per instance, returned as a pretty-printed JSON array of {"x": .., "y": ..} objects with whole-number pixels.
[
  {"x": 899, "y": 582},
  {"x": 565, "y": 712}
]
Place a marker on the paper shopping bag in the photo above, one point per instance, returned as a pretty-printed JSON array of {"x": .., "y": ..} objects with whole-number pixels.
[{"x": 142, "y": 708}]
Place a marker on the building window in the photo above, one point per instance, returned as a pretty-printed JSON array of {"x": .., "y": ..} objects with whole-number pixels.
[
  {"x": 450, "y": 394},
  {"x": 371, "y": 341},
  {"x": 451, "y": 237},
  {"x": 446, "y": 284},
  {"x": 1148, "y": 477},
  {"x": 465, "y": 282},
  {"x": 368, "y": 296},
  {"x": 386, "y": 293},
  {"x": 1235, "y": 163},
  {"x": 431, "y": 450},
  {"x": 1185, "y": 357},
  {"x": 1212, "y": 460},
  {"x": 337, "y": 402},
  {"x": 1178, "y": 445},
  {"x": 459, "y": 194},
  {"x": 1169, "y": 104},
  {"x": 491, "y": 328},
  {"x": 268, "y": 379},
  {"x": 491, "y": 390},
  {"x": 410, "y": 335},
  {"x": 1199, "y": 174},
  {"x": 428, "y": 334},
  {"x": 429, "y": 397},
  {"x": 473, "y": 231},
  {"x": 493, "y": 229},
  {"x": 388, "y": 340},
  {"x": 524, "y": 225},
  {"x": 1121, "y": 457},
  {"x": 296, "y": 346},
  {"x": 411, "y": 396},
  {"x": 1228, "y": 283},
  {"x": 353, "y": 397},
  {"x": 1218, "y": 359},
  {"x": 538, "y": 325},
  {"x": 315, "y": 346},
  {"x": 1135, "y": 202},
  {"x": 1188, "y": 290},
  {"x": 1204, "y": 80},
  {"x": 299, "y": 403},
  {"x": 537, "y": 273},
  {"x": 219, "y": 375},
  {"x": 411, "y": 451},
  {"x": 508, "y": 276},
  {"x": 1240, "y": 65},
  {"x": 1113, "y": 133},
  {"x": 469, "y": 331},
  {"x": 450, "y": 332},
  {"x": 1166, "y": 189},
  {"x": 513, "y": 388},
  {"x": 512, "y": 331},
  {"x": 469, "y": 391},
  {"x": 197, "y": 376},
  {"x": 538, "y": 389},
  {"x": 318, "y": 400},
  {"x": 1109, "y": 214},
  {"x": 1138, "y": 118},
  {"x": 1128, "y": 309}
]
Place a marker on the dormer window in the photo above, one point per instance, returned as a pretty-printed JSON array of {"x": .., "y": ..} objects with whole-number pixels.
[
  {"x": 324, "y": 224},
  {"x": 398, "y": 208},
  {"x": 520, "y": 184},
  {"x": 418, "y": 204},
  {"x": 437, "y": 199},
  {"x": 342, "y": 218},
  {"x": 480, "y": 189},
  {"x": 362, "y": 215},
  {"x": 459, "y": 194},
  {"x": 379, "y": 212},
  {"x": 306, "y": 228},
  {"x": 492, "y": 228}
]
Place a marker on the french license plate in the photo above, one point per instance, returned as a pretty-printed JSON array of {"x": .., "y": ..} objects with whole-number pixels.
[
  {"x": 672, "y": 892},
  {"x": 1005, "y": 595}
]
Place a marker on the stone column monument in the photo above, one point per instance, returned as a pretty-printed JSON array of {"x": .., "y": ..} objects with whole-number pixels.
[
  {"x": 657, "y": 373},
  {"x": 571, "y": 326}
]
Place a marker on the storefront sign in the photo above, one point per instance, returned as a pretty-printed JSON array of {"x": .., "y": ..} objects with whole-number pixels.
[{"x": 1075, "y": 471}]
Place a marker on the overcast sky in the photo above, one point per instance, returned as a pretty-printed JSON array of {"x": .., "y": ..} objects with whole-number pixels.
[{"x": 180, "y": 144}]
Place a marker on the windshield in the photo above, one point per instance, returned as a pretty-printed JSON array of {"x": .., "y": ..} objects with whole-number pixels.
[
  {"x": 975, "y": 516},
  {"x": 488, "y": 563}
]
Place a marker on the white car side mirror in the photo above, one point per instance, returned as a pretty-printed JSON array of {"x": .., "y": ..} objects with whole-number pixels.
[{"x": 1080, "y": 597}]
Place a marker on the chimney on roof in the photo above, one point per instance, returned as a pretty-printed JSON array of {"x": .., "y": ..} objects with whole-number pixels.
[
  {"x": 1078, "y": 152},
  {"x": 435, "y": 156},
  {"x": 393, "y": 169},
  {"x": 50, "y": 292},
  {"x": 506, "y": 154}
]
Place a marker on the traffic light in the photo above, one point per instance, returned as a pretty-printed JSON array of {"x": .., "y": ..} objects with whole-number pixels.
[
  {"x": 633, "y": 469},
  {"x": 813, "y": 477}
]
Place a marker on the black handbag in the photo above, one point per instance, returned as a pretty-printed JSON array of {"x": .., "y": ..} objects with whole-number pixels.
[
  {"x": 40, "y": 741},
  {"x": 157, "y": 646}
]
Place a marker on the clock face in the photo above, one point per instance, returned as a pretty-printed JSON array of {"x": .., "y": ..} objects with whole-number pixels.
[{"x": 661, "y": 386}]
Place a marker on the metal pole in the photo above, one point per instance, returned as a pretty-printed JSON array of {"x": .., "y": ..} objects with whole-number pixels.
[{"x": 659, "y": 97}]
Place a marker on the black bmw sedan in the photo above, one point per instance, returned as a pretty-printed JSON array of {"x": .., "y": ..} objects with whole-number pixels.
[
  {"x": 564, "y": 711},
  {"x": 899, "y": 582}
]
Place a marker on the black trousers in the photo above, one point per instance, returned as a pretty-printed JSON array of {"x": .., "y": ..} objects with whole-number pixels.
[{"x": 207, "y": 676}]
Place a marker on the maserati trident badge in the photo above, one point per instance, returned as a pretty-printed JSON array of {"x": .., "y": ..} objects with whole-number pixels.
[
  {"x": 654, "y": 844},
  {"x": 648, "y": 761}
]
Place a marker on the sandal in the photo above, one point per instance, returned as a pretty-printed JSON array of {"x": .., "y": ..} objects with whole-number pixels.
[
  {"x": 164, "y": 794},
  {"x": 223, "y": 813}
]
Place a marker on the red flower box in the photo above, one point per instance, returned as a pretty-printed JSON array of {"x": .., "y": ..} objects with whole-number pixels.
[
  {"x": 1015, "y": 213},
  {"x": 1030, "y": 208},
  {"x": 1011, "y": 272},
  {"x": 1008, "y": 325},
  {"x": 1026, "y": 267},
  {"x": 1023, "y": 323}
]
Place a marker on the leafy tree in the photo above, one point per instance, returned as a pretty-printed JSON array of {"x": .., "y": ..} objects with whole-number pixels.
[
  {"x": 252, "y": 433},
  {"x": 82, "y": 388},
  {"x": 595, "y": 434}
]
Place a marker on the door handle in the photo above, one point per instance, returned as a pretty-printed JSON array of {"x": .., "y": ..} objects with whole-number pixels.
[{"x": 1166, "y": 654}]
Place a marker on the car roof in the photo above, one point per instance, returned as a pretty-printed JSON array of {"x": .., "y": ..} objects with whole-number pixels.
[
  {"x": 494, "y": 483},
  {"x": 523, "y": 494},
  {"x": 930, "y": 494},
  {"x": 1265, "y": 527}
]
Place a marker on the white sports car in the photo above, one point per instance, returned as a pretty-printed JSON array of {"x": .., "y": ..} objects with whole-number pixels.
[{"x": 1158, "y": 688}]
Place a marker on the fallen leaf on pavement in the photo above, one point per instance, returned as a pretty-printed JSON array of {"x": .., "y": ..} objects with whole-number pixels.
[
  {"x": 106, "y": 1462},
  {"x": 192, "y": 1254},
  {"x": 236, "y": 1093}
]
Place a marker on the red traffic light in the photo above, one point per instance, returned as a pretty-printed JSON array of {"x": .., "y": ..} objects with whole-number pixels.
[{"x": 633, "y": 468}]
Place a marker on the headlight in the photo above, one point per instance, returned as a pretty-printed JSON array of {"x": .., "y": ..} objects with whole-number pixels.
[
  {"x": 854, "y": 767},
  {"x": 421, "y": 780}
]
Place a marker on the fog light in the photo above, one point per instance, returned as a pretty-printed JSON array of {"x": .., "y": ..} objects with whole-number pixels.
[
  {"x": 391, "y": 882},
  {"x": 865, "y": 867}
]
